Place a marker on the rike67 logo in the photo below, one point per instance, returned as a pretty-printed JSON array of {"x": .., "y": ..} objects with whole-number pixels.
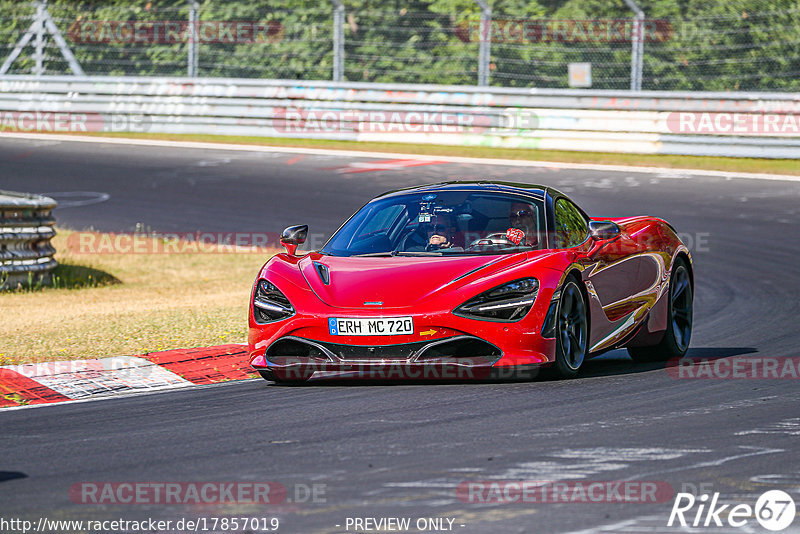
[{"x": 774, "y": 510}]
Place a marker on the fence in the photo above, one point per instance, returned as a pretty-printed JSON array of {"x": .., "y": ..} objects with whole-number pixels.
[
  {"x": 715, "y": 45},
  {"x": 26, "y": 227},
  {"x": 649, "y": 122}
]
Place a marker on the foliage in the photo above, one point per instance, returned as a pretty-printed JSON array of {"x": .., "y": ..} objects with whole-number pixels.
[{"x": 720, "y": 45}]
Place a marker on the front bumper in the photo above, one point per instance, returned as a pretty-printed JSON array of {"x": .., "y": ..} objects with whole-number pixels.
[
  {"x": 289, "y": 352},
  {"x": 442, "y": 345}
]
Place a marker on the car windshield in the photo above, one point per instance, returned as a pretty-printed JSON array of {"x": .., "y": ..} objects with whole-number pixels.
[{"x": 442, "y": 224}]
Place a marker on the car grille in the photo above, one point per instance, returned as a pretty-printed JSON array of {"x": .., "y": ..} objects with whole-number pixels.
[{"x": 454, "y": 348}]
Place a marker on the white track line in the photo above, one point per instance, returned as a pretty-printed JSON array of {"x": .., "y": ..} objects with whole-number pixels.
[{"x": 679, "y": 173}]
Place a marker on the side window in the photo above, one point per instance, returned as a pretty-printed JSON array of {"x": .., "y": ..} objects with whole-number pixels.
[{"x": 571, "y": 226}]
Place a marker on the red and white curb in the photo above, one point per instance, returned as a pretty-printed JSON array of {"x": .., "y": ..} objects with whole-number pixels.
[{"x": 49, "y": 382}]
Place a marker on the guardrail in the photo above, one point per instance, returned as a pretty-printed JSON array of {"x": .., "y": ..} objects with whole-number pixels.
[
  {"x": 763, "y": 125},
  {"x": 26, "y": 227}
]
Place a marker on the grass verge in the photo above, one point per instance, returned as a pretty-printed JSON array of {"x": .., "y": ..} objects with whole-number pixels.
[
  {"x": 119, "y": 304},
  {"x": 774, "y": 166}
]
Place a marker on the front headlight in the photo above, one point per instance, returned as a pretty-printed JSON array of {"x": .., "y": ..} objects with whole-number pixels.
[
  {"x": 506, "y": 303},
  {"x": 269, "y": 304}
]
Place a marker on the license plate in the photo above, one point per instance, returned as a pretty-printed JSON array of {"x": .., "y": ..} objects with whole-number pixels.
[{"x": 379, "y": 326}]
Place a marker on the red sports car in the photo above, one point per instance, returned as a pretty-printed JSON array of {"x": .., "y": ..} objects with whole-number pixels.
[{"x": 470, "y": 280}]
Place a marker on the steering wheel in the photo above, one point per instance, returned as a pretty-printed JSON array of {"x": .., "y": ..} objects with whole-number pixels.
[
  {"x": 403, "y": 241},
  {"x": 493, "y": 240}
]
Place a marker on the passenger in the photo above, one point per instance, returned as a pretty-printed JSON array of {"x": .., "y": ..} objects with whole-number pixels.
[{"x": 521, "y": 217}]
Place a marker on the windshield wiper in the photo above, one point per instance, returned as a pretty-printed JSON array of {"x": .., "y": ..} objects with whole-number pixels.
[
  {"x": 402, "y": 253},
  {"x": 375, "y": 255}
]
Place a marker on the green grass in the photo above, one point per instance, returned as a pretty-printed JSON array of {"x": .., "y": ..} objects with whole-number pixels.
[
  {"x": 127, "y": 304},
  {"x": 775, "y": 166}
]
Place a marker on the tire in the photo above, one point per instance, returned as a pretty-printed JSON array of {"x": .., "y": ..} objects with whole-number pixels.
[
  {"x": 676, "y": 338},
  {"x": 572, "y": 331},
  {"x": 266, "y": 374}
]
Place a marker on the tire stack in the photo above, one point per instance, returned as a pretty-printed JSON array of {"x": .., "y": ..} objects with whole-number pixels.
[{"x": 26, "y": 227}]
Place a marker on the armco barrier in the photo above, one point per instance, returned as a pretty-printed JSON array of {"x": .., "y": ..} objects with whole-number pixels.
[
  {"x": 647, "y": 122},
  {"x": 26, "y": 227}
]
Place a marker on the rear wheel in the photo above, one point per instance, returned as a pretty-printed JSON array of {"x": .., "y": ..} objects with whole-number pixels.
[
  {"x": 572, "y": 329},
  {"x": 675, "y": 342}
]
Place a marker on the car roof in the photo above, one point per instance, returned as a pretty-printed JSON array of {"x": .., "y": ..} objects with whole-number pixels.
[{"x": 528, "y": 190}]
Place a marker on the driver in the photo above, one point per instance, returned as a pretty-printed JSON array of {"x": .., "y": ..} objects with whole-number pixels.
[
  {"x": 441, "y": 232},
  {"x": 520, "y": 217}
]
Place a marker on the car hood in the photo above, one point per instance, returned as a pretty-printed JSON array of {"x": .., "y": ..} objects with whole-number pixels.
[{"x": 395, "y": 281}]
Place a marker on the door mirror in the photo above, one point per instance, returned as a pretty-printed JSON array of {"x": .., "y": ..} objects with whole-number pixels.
[
  {"x": 294, "y": 236},
  {"x": 603, "y": 230}
]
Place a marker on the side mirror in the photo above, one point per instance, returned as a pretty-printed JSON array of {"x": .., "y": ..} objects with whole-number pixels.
[
  {"x": 293, "y": 236},
  {"x": 603, "y": 230}
]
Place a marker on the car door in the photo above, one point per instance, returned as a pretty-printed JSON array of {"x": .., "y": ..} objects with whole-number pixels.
[{"x": 611, "y": 272}]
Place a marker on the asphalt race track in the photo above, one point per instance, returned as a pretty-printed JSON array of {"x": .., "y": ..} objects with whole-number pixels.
[{"x": 401, "y": 450}]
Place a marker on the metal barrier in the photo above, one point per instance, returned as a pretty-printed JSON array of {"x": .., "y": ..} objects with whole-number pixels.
[
  {"x": 26, "y": 227},
  {"x": 765, "y": 125}
]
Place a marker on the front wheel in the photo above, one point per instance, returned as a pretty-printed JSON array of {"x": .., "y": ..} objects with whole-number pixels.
[
  {"x": 675, "y": 342},
  {"x": 572, "y": 329}
]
